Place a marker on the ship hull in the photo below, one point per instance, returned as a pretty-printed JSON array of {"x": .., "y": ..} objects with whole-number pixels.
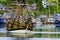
[{"x": 21, "y": 33}]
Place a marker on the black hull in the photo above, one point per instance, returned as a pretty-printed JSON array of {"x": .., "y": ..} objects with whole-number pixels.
[
  {"x": 2, "y": 23},
  {"x": 57, "y": 23},
  {"x": 19, "y": 29}
]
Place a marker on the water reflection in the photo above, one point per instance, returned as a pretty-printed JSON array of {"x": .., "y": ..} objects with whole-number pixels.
[
  {"x": 7, "y": 38},
  {"x": 45, "y": 28},
  {"x": 19, "y": 35},
  {"x": 57, "y": 29},
  {"x": 12, "y": 38}
]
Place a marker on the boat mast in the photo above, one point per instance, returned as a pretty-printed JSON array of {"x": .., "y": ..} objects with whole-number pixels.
[
  {"x": 23, "y": 5},
  {"x": 57, "y": 5},
  {"x": 49, "y": 6},
  {"x": 23, "y": 2}
]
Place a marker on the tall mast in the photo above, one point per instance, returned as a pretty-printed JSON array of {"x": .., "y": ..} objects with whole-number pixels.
[
  {"x": 23, "y": 2},
  {"x": 57, "y": 5}
]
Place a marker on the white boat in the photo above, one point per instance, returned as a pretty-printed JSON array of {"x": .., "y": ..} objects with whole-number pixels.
[
  {"x": 50, "y": 20},
  {"x": 38, "y": 23}
]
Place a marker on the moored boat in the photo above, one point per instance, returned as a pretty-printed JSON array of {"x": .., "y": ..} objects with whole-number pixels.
[{"x": 2, "y": 19}]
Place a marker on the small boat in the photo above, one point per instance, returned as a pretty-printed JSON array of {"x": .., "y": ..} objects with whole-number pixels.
[
  {"x": 57, "y": 20},
  {"x": 38, "y": 23},
  {"x": 2, "y": 20},
  {"x": 50, "y": 20},
  {"x": 57, "y": 23}
]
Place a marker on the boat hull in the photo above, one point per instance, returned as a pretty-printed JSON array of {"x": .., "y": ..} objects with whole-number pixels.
[
  {"x": 2, "y": 21},
  {"x": 21, "y": 33}
]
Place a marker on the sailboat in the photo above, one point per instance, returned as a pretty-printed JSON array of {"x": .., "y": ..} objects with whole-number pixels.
[{"x": 17, "y": 24}]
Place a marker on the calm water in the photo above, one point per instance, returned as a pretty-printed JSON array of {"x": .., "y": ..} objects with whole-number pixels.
[
  {"x": 10, "y": 38},
  {"x": 42, "y": 28}
]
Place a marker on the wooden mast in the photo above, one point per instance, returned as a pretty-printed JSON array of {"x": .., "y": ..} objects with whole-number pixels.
[{"x": 23, "y": 2}]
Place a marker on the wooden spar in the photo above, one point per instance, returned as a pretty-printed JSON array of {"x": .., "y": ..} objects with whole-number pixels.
[
  {"x": 23, "y": 1},
  {"x": 23, "y": 11},
  {"x": 18, "y": 14}
]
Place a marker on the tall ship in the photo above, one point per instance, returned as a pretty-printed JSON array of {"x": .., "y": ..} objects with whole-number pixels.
[{"x": 20, "y": 23}]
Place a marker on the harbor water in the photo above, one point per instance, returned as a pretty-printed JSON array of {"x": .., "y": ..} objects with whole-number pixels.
[
  {"x": 10, "y": 38},
  {"x": 43, "y": 28}
]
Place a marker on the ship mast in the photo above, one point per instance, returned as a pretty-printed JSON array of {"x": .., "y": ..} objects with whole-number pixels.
[
  {"x": 15, "y": 22},
  {"x": 18, "y": 14},
  {"x": 19, "y": 23}
]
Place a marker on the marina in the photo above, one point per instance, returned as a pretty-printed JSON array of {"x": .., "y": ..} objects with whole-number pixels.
[{"x": 30, "y": 19}]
